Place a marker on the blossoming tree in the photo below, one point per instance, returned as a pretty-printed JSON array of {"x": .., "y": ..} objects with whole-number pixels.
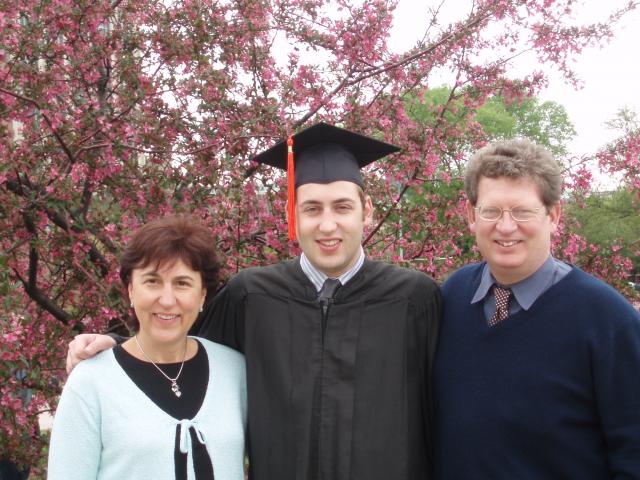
[{"x": 116, "y": 111}]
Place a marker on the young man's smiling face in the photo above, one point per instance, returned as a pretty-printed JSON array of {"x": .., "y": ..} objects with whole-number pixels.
[{"x": 330, "y": 220}]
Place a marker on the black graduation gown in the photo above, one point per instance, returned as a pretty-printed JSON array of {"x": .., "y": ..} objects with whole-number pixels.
[{"x": 355, "y": 404}]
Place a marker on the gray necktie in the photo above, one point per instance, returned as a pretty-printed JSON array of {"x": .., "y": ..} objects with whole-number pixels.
[
  {"x": 325, "y": 297},
  {"x": 502, "y": 296},
  {"x": 328, "y": 290}
]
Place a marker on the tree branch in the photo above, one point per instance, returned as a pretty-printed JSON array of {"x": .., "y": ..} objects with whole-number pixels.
[
  {"x": 31, "y": 285},
  {"x": 61, "y": 221},
  {"x": 59, "y": 138},
  {"x": 391, "y": 209}
]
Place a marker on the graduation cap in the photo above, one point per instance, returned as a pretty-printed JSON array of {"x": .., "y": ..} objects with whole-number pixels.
[{"x": 323, "y": 154}]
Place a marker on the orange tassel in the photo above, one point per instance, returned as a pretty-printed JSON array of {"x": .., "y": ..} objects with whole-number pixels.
[{"x": 291, "y": 190}]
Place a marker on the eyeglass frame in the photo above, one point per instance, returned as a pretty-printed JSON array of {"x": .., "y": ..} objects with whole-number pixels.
[{"x": 510, "y": 210}]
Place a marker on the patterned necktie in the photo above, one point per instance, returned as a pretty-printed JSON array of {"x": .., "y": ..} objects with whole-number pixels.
[{"x": 502, "y": 296}]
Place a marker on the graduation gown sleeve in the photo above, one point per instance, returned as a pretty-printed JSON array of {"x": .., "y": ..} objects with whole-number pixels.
[{"x": 222, "y": 319}]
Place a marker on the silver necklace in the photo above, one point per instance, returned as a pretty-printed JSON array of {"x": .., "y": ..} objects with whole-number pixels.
[{"x": 174, "y": 381}]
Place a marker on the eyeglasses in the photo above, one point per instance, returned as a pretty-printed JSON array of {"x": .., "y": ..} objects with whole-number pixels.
[{"x": 519, "y": 214}]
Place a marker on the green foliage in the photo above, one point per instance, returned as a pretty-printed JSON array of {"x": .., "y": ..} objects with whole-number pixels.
[
  {"x": 546, "y": 123},
  {"x": 496, "y": 120},
  {"x": 611, "y": 221}
]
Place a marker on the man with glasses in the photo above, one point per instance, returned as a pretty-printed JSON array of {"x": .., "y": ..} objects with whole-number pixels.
[{"x": 537, "y": 371}]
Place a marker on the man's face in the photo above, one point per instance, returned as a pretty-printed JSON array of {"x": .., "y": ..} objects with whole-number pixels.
[
  {"x": 330, "y": 220},
  {"x": 513, "y": 250}
]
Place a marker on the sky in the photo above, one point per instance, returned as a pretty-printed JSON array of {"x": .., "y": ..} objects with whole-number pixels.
[{"x": 610, "y": 76}]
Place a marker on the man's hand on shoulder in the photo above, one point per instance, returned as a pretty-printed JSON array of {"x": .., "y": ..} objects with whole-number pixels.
[{"x": 86, "y": 345}]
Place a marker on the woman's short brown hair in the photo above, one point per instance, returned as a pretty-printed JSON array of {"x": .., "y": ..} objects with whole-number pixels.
[
  {"x": 515, "y": 159},
  {"x": 167, "y": 239}
]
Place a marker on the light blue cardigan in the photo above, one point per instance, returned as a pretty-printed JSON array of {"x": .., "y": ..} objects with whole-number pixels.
[{"x": 105, "y": 427}]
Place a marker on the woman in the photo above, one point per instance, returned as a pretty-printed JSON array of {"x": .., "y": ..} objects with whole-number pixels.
[{"x": 162, "y": 405}]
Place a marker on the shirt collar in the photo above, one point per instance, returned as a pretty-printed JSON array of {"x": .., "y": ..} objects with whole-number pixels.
[
  {"x": 525, "y": 291},
  {"x": 317, "y": 277}
]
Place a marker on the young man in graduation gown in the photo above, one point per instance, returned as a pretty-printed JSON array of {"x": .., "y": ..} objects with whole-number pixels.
[
  {"x": 338, "y": 347},
  {"x": 537, "y": 369}
]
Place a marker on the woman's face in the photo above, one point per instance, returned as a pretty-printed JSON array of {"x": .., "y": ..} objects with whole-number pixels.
[{"x": 166, "y": 299}]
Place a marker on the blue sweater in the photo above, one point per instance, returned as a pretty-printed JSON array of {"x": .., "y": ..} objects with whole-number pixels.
[{"x": 549, "y": 393}]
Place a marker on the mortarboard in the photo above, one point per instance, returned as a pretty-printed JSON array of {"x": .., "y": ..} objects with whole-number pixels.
[{"x": 323, "y": 154}]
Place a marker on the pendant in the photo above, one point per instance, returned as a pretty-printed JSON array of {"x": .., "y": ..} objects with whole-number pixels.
[{"x": 175, "y": 389}]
